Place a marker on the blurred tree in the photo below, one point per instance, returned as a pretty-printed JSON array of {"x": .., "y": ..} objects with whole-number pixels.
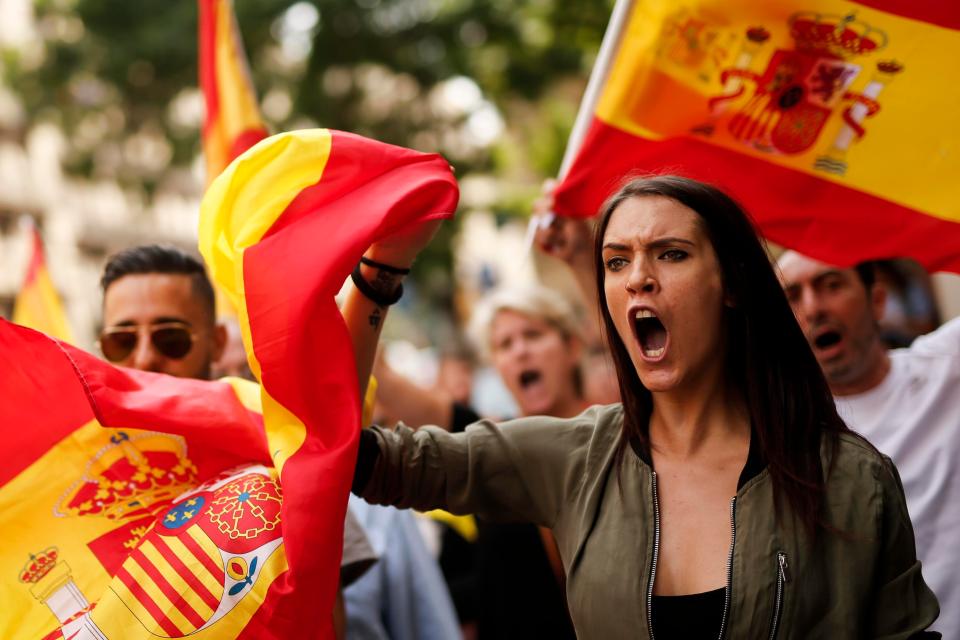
[{"x": 491, "y": 84}]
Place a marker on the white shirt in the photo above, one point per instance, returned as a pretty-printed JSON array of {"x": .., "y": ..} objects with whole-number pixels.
[{"x": 913, "y": 416}]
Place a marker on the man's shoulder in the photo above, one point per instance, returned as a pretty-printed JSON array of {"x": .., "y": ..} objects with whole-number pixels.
[{"x": 943, "y": 342}]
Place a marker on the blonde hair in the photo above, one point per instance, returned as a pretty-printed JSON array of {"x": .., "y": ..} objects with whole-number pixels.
[{"x": 536, "y": 301}]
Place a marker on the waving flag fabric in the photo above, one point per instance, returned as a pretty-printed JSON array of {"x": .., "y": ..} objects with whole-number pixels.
[
  {"x": 833, "y": 121},
  {"x": 82, "y": 506},
  {"x": 38, "y": 305},
  {"x": 233, "y": 123},
  {"x": 280, "y": 231},
  {"x": 140, "y": 506}
]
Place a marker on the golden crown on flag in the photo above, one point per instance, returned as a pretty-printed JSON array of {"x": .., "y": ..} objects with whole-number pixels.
[
  {"x": 128, "y": 479},
  {"x": 841, "y": 37},
  {"x": 39, "y": 565}
]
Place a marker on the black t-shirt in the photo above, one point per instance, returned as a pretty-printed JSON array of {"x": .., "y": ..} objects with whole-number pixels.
[{"x": 691, "y": 617}]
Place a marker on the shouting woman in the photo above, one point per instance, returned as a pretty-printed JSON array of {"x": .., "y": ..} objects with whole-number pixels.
[{"x": 724, "y": 497}]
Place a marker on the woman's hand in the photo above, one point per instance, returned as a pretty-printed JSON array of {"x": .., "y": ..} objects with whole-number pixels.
[
  {"x": 568, "y": 239},
  {"x": 400, "y": 249}
]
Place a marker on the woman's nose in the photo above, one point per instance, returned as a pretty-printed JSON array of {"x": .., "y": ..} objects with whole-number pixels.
[{"x": 640, "y": 279}]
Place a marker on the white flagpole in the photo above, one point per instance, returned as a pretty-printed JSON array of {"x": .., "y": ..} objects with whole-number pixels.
[{"x": 598, "y": 77}]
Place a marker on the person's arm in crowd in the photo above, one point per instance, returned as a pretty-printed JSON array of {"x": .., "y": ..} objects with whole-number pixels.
[
  {"x": 571, "y": 241},
  {"x": 405, "y": 400},
  {"x": 944, "y": 340},
  {"x": 364, "y": 317}
]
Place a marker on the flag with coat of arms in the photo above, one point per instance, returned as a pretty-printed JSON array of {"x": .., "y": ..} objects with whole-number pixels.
[{"x": 138, "y": 505}]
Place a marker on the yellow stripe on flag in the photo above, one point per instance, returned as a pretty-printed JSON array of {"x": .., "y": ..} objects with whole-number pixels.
[
  {"x": 176, "y": 580},
  {"x": 238, "y": 105},
  {"x": 237, "y": 210},
  {"x": 898, "y": 90},
  {"x": 153, "y": 592},
  {"x": 192, "y": 563},
  {"x": 38, "y": 305}
]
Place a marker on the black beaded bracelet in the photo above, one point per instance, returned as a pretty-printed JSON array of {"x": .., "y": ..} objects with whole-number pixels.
[
  {"x": 372, "y": 294},
  {"x": 384, "y": 267}
]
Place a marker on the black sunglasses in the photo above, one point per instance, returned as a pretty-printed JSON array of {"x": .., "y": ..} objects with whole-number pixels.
[{"x": 171, "y": 339}]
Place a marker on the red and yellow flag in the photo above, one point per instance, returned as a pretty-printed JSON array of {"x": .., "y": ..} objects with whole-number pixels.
[
  {"x": 280, "y": 231},
  {"x": 233, "y": 123},
  {"x": 38, "y": 305},
  {"x": 137, "y": 505},
  {"x": 833, "y": 121},
  {"x": 88, "y": 511}
]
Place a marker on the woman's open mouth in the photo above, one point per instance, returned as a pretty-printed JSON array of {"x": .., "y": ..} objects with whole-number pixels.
[
  {"x": 651, "y": 335},
  {"x": 529, "y": 377}
]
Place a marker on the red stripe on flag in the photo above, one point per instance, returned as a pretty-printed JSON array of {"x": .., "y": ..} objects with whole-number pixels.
[
  {"x": 158, "y": 616},
  {"x": 37, "y": 260},
  {"x": 944, "y": 13},
  {"x": 33, "y": 365},
  {"x": 208, "y": 61},
  {"x": 825, "y": 220},
  {"x": 202, "y": 556},
  {"x": 246, "y": 139},
  {"x": 172, "y": 594},
  {"x": 198, "y": 587}
]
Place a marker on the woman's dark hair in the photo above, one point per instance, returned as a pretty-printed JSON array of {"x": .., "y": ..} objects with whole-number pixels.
[{"x": 768, "y": 359}]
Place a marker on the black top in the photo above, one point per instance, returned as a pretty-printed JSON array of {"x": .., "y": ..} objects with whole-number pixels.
[{"x": 691, "y": 617}]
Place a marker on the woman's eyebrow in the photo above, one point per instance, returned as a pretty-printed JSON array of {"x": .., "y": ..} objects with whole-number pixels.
[
  {"x": 659, "y": 242},
  {"x": 662, "y": 242},
  {"x": 616, "y": 246}
]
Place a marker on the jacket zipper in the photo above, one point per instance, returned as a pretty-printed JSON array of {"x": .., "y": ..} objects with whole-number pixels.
[
  {"x": 783, "y": 576},
  {"x": 733, "y": 541},
  {"x": 656, "y": 553}
]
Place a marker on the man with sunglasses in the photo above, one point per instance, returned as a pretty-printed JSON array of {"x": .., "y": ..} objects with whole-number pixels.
[{"x": 159, "y": 313}]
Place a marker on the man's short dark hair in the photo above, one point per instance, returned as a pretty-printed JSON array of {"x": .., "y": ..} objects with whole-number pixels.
[
  {"x": 867, "y": 272},
  {"x": 155, "y": 258}
]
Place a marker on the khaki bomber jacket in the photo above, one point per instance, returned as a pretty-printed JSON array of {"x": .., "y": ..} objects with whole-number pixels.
[{"x": 562, "y": 474}]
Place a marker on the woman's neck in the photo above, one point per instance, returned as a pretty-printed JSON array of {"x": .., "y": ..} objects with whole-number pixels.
[{"x": 688, "y": 422}]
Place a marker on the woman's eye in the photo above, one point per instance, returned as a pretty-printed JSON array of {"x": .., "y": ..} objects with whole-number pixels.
[
  {"x": 616, "y": 263},
  {"x": 673, "y": 255}
]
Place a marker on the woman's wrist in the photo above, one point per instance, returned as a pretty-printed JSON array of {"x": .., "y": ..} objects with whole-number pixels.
[{"x": 384, "y": 280}]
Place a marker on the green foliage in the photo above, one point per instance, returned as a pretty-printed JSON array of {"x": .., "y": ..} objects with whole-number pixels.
[{"x": 111, "y": 69}]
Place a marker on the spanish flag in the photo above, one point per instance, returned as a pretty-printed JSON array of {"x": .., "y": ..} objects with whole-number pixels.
[
  {"x": 833, "y": 121},
  {"x": 233, "y": 123},
  {"x": 38, "y": 305},
  {"x": 88, "y": 510},
  {"x": 280, "y": 231},
  {"x": 139, "y": 505}
]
